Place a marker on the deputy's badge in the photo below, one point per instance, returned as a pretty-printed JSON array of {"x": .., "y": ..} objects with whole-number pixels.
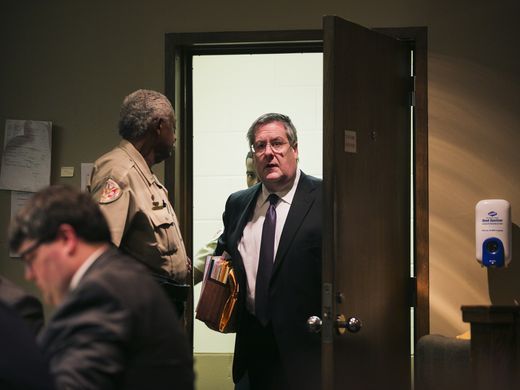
[{"x": 111, "y": 192}]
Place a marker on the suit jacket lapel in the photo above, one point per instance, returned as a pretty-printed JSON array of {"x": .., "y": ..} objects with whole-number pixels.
[
  {"x": 302, "y": 202},
  {"x": 243, "y": 219},
  {"x": 100, "y": 261}
]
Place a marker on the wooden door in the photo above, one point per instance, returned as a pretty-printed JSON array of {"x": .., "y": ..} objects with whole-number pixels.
[{"x": 366, "y": 222}]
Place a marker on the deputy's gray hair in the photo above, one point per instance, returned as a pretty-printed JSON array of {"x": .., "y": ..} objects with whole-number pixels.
[
  {"x": 290, "y": 130},
  {"x": 140, "y": 111}
]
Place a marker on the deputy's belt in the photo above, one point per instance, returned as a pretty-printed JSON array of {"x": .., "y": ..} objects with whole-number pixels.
[{"x": 176, "y": 291}]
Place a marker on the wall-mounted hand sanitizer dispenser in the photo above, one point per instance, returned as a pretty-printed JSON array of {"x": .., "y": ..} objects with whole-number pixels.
[{"x": 493, "y": 232}]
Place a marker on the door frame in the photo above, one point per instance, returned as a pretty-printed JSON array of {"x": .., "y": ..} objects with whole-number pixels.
[{"x": 178, "y": 171}]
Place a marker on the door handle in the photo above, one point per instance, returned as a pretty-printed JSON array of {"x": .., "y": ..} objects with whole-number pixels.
[
  {"x": 314, "y": 324},
  {"x": 353, "y": 324}
]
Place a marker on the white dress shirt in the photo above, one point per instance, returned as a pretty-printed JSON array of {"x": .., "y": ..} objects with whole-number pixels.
[{"x": 249, "y": 245}]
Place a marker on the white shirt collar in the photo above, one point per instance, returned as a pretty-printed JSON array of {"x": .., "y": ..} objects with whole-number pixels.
[
  {"x": 78, "y": 275},
  {"x": 286, "y": 196}
]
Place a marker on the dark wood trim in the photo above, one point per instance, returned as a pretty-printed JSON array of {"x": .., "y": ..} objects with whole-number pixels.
[
  {"x": 422, "y": 241},
  {"x": 178, "y": 170},
  {"x": 179, "y": 47},
  {"x": 328, "y": 251},
  {"x": 418, "y": 37},
  {"x": 244, "y": 38},
  {"x": 495, "y": 346}
]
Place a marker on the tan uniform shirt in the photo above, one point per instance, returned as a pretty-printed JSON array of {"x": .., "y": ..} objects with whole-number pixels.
[{"x": 141, "y": 219}]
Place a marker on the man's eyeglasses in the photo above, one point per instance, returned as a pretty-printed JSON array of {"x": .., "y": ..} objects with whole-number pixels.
[
  {"x": 24, "y": 255},
  {"x": 276, "y": 146}
]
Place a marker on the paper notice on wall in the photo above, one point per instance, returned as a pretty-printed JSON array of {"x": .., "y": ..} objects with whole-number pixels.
[
  {"x": 18, "y": 200},
  {"x": 26, "y": 155}
]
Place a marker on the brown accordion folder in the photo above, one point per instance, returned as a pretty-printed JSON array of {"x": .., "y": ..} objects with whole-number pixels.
[{"x": 219, "y": 294}]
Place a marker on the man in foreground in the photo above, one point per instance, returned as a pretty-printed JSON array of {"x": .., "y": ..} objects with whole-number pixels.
[{"x": 113, "y": 326}]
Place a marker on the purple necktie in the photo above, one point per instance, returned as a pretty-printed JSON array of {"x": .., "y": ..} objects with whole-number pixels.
[{"x": 265, "y": 262}]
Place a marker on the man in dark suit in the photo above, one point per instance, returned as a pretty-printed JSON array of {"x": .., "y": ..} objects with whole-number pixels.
[
  {"x": 113, "y": 326},
  {"x": 275, "y": 244},
  {"x": 27, "y": 306}
]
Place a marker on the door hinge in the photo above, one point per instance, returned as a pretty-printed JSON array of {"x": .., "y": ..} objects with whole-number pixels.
[
  {"x": 413, "y": 291},
  {"x": 412, "y": 91}
]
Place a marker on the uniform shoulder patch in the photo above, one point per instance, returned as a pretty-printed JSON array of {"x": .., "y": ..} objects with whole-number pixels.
[{"x": 111, "y": 192}]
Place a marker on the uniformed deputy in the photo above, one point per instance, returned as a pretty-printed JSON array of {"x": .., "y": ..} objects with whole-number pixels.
[{"x": 141, "y": 219}]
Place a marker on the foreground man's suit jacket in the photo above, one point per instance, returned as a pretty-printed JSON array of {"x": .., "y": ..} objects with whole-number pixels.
[
  {"x": 295, "y": 287},
  {"x": 117, "y": 330}
]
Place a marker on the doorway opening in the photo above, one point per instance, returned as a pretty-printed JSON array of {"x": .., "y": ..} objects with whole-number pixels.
[{"x": 229, "y": 92}]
